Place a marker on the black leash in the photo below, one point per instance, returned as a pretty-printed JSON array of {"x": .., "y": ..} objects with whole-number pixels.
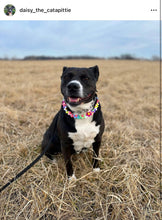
[{"x": 25, "y": 169}]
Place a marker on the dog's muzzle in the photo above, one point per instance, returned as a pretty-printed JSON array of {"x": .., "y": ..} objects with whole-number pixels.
[
  {"x": 75, "y": 94},
  {"x": 73, "y": 88}
]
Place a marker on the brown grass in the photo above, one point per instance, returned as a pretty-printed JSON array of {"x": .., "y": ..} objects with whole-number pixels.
[{"x": 127, "y": 186}]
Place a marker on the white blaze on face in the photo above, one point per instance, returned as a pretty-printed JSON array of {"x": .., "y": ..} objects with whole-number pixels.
[{"x": 80, "y": 87}]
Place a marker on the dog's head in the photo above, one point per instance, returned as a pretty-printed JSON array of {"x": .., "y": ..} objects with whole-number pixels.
[
  {"x": 9, "y": 9},
  {"x": 78, "y": 85}
]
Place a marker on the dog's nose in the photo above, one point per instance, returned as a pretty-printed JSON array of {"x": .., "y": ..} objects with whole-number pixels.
[{"x": 73, "y": 87}]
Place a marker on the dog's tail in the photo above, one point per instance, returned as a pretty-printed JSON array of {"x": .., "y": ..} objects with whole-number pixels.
[{"x": 25, "y": 169}]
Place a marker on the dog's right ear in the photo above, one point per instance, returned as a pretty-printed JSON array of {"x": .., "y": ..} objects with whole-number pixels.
[{"x": 64, "y": 68}]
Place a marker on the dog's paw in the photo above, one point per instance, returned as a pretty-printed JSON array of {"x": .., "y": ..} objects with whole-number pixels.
[
  {"x": 54, "y": 161},
  {"x": 96, "y": 170},
  {"x": 72, "y": 178}
]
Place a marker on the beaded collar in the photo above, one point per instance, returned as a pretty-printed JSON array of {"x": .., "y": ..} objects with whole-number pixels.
[{"x": 80, "y": 116}]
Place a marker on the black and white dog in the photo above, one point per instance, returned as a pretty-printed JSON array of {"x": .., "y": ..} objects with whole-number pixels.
[
  {"x": 10, "y": 10},
  {"x": 79, "y": 124}
]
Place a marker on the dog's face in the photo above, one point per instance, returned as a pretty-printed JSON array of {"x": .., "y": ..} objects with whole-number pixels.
[
  {"x": 78, "y": 85},
  {"x": 10, "y": 9}
]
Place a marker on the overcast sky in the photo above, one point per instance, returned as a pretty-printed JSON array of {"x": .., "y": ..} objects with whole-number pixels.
[{"x": 62, "y": 38}]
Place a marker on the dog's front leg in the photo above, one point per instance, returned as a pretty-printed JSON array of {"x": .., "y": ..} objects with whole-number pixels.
[
  {"x": 67, "y": 152},
  {"x": 96, "y": 147}
]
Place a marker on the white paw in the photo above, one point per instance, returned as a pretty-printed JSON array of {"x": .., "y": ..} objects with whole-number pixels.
[
  {"x": 72, "y": 178},
  {"x": 96, "y": 170},
  {"x": 54, "y": 161}
]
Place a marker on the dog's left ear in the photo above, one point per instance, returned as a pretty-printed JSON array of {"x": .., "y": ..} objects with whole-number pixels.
[
  {"x": 95, "y": 70},
  {"x": 64, "y": 68}
]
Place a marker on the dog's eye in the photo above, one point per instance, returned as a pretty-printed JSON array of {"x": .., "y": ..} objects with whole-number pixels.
[
  {"x": 68, "y": 76},
  {"x": 85, "y": 78}
]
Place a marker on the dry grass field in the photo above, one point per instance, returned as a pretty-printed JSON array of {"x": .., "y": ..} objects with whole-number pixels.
[{"x": 128, "y": 184}]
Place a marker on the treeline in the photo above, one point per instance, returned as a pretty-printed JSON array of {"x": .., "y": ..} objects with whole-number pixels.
[
  {"x": 84, "y": 57},
  {"x": 132, "y": 57},
  {"x": 125, "y": 57},
  {"x": 61, "y": 58}
]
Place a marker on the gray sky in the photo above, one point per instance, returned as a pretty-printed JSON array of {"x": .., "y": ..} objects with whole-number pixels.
[{"x": 62, "y": 38}]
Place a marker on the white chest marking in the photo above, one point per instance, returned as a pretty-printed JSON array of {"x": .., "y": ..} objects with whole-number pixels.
[{"x": 86, "y": 132}]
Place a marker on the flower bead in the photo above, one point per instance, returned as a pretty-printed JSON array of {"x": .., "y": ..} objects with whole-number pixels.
[{"x": 88, "y": 114}]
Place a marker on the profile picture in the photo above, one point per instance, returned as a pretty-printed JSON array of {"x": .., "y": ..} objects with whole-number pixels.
[{"x": 9, "y": 10}]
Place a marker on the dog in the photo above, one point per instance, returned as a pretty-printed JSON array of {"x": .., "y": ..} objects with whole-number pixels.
[
  {"x": 79, "y": 124},
  {"x": 10, "y": 10}
]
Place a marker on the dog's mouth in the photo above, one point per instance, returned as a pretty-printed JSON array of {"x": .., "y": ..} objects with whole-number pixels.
[
  {"x": 72, "y": 100},
  {"x": 75, "y": 100}
]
